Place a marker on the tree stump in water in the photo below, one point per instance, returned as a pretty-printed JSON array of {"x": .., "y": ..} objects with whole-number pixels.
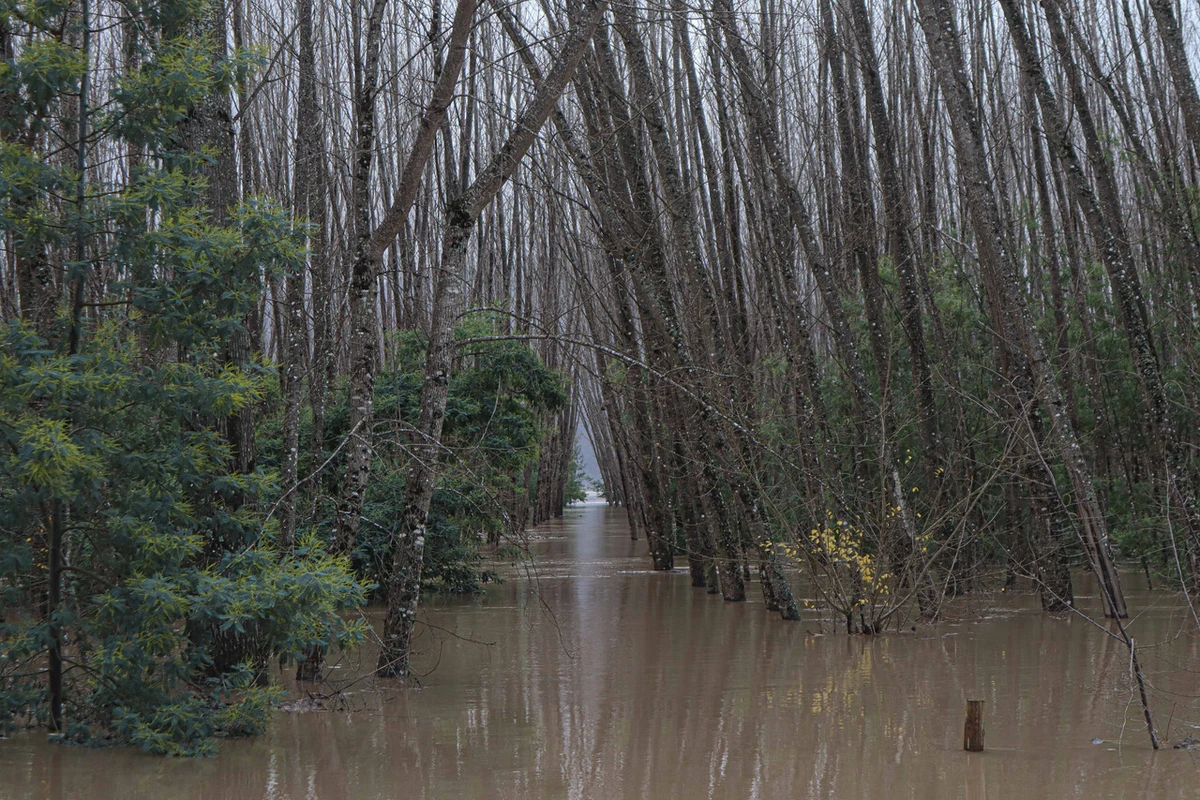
[{"x": 973, "y": 727}]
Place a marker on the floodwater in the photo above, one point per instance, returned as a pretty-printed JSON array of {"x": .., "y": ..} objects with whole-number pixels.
[{"x": 592, "y": 677}]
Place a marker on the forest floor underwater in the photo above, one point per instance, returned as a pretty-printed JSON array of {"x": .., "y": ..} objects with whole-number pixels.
[{"x": 586, "y": 675}]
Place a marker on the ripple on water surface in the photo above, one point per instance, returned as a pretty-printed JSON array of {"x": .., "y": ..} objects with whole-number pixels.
[{"x": 585, "y": 675}]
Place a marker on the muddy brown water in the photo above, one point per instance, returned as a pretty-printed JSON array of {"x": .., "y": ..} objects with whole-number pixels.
[{"x": 592, "y": 677}]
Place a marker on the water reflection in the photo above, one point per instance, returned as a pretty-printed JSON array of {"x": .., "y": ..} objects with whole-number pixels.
[{"x": 603, "y": 680}]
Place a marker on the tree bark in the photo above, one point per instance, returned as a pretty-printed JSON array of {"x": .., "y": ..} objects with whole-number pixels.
[
  {"x": 462, "y": 213},
  {"x": 1004, "y": 290},
  {"x": 371, "y": 245}
]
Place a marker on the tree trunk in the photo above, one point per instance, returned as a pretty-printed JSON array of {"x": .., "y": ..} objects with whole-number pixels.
[
  {"x": 462, "y": 214},
  {"x": 1004, "y": 290},
  {"x": 371, "y": 245}
]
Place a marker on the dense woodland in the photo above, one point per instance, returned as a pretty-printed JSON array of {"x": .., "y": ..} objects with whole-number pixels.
[{"x": 305, "y": 305}]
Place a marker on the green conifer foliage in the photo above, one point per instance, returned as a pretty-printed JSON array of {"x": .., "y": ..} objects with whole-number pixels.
[
  {"x": 500, "y": 393},
  {"x": 114, "y": 434}
]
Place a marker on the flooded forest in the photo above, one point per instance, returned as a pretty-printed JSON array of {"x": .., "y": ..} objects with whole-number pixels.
[{"x": 575, "y": 398}]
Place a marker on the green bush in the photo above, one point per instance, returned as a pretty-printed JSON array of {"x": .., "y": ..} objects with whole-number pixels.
[
  {"x": 175, "y": 594},
  {"x": 500, "y": 396}
]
